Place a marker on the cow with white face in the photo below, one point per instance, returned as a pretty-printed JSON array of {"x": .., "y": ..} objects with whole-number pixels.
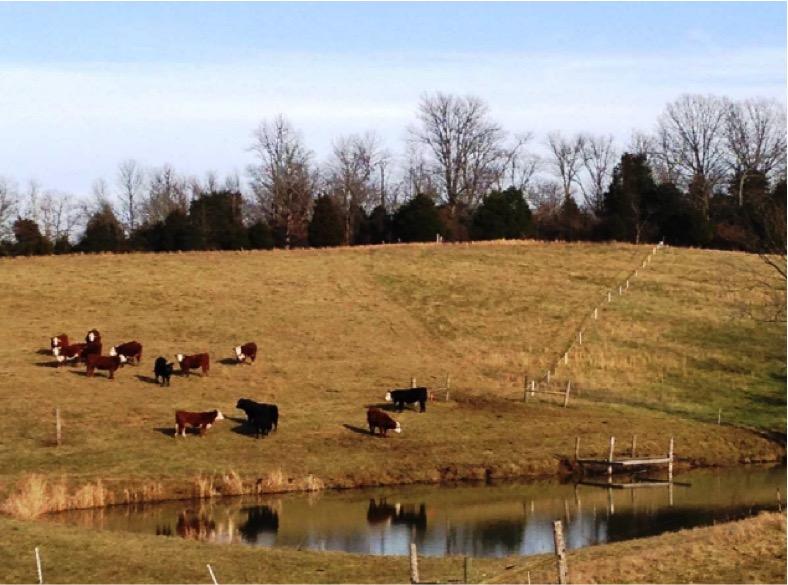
[{"x": 247, "y": 351}]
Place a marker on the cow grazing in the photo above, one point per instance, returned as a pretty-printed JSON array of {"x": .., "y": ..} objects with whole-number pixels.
[
  {"x": 376, "y": 418},
  {"x": 58, "y": 341},
  {"x": 163, "y": 370},
  {"x": 201, "y": 420},
  {"x": 68, "y": 353},
  {"x": 131, "y": 349},
  {"x": 93, "y": 336},
  {"x": 104, "y": 362},
  {"x": 263, "y": 417},
  {"x": 192, "y": 362},
  {"x": 408, "y": 396},
  {"x": 246, "y": 351}
]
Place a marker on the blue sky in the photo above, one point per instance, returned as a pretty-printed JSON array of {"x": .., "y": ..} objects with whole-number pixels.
[{"x": 83, "y": 86}]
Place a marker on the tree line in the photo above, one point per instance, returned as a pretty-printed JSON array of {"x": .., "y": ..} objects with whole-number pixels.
[{"x": 712, "y": 173}]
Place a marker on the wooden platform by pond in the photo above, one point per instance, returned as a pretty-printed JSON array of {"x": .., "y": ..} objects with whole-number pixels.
[{"x": 612, "y": 464}]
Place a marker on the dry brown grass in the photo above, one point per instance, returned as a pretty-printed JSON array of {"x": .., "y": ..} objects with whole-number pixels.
[{"x": 336, "y": 329}]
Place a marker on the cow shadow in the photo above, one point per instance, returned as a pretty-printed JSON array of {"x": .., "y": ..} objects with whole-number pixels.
[
  {"x": 44, "y": 352},
  {"x": 359, "y": 430},
  {"x": 244, "y": 429},
  {"x": 167, "y": 431},
  {"x": 147, "y": 379},
  {"x": 229, "y": 362},
  {"x": 80, "y": 373},
  {"x": 387, "y": 406},
  {"x": 52, "y": 364}
]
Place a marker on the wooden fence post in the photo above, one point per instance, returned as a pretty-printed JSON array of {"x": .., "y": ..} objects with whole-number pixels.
[
  {"x": 548, "y": 376},
  {"x": 566, "y": 358},
  {"x": 719, "y": 415},
  {"x": 413, "y": 381},
  {"x": 38, "y": 567},
  {"x": 466, "y": 570},
  {"x": 609, "y": 297},
  {"x": 610, "y": 459},
  {"x": 580, "y": 338},
  {"x": 566, "y": 394},
  {"x": 525, "y": 388},
  {"x": 627, "y": 284},
  {"x": 58, "y": 428},
  {"x": 213, "y": 577},
  {"x": 620, "y": 292},
  {"x": 634, "y": 444},
  {"x": 448, "y": 385},
  {"x": 595, "y": 313},
  {"x": 414, "y": 563},
  {"x": 577, "y": 447},
  {"x": 670, "y": 462},
  {"x": 533, "y": 387},
  {"x": 560, "y": 550}
]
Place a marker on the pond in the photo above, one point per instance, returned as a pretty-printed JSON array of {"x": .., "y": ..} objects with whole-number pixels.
[{"x": 475, "y": 520}]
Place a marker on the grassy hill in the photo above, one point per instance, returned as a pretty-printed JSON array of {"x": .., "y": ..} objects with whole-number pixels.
[{"x": 337, "y": 328}]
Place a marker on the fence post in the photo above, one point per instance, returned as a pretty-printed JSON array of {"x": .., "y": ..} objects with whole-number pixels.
[
  {"x": 448, "y": 385},
  {"x": 548, "y": 376},
  {"x": 719, "y": 415},
  {"x": 213, "y": 577},
  {"x": 466, "y": 570},
  {"x": 609, "y": 297},
  {"x": 610, "y": 459},
  {"x": 566, "y": 358},
  {"x": 58, "y": 428},
  {"x": 595, "y": 313},
  {"x": 414, "y": 563},
  {"x": 566, "y": 394},
  {"x": 627, "y": 284},
  {"x": 525, "y": 388},
  {"x": 413, "y": 381},
  {"x": 577, "y": 447},
  {"x": 38, "y": 567},
  {"x": 620, "y": 292},
  {"x": 533, "y": 387},
  {"x": 670, "y": 462},
  {"x": 560, "y": 550},
  {"x": 779, "y": 501},
  {"x": 580, "y": 338},
  {"x": 634, "y": 443}
]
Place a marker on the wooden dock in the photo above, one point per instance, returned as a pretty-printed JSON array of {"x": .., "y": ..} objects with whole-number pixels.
[{"x": 612, "y": 464}]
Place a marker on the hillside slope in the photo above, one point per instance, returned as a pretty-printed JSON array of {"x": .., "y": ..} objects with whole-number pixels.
[{"x": 337, "y": 328}]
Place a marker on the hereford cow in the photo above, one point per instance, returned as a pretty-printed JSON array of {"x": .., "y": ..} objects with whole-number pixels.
[
  {"x": 68, "y": 353},
  {"x": 376, "y": 418},
  {"x": 104, "y": 362},
  {"x": 263, "y": 417},
  {"x": 90, "y": 348},
  {"x": 201, "y": 420},
  {"x": 58, "y": 341},
  {"x": 163, "y": 370},
  {"x": 93, "y": 336},
  {"x": 247, "y": 350},
  {"x": 131, "y": 349},
  {"x": 408, "y": 396},
  {"x": 192, "y": 362}
]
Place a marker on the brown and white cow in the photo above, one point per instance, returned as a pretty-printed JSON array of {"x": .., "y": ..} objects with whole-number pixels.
[
  {"x": 68, "y": 353},
  {"x": 247, "y": 350},
  {"x": 376, "y": 418},
  {"x": 192, "y": 362},
  {"x": 104, "y": 362},
  {"x": 132, "y": 350},
  {"x": 201, "y": 420},
  {"x": 58, "y": 341},
  {"x": 93, "y": 336}
]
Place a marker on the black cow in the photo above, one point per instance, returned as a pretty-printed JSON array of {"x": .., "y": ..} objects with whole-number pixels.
[
  {"x": 263, "y": 417},
  {"x": 408, "y": 396},
  {"x": 163, "y": 370}
]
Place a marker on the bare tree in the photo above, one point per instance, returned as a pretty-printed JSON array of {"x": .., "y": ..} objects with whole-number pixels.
[
  {"x": 755, "y": 138},
  {"x": 9, "y": 202},
  {"x": 418, "y": 177},
  {"x": 130, "y": 182},
  {"x": 691, "y": 133},
  {"x": 58, "y": 215},
  {"x": 166, "y": 192},
  {"x": 599, "y": 158},
  {"x": 567, "y": 159},
  {"x": 520, "y": 166},
  {"x": 281, "y": 178},
  {"x": 465, "y": 147},
  {"x": 352, "y": 176}
]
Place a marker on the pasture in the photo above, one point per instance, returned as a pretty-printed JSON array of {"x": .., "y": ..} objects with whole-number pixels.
[{"x": 338, "y": 328}]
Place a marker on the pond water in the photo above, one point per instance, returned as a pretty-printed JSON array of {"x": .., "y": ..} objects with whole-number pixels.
[{"x": 476, "y": 520}]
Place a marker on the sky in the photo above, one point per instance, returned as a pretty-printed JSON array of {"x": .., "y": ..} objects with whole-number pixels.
[{"x": 85, "y": 86}]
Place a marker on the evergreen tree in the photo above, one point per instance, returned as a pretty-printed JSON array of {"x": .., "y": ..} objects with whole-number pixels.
[
  {"x": 502, "y": 214},
  {"x": 29, "y": 240},
  {"x": 103, "y": 232},
  {"x": 326, "y": 227},
  {"x": 217, "y": 221},
  {"x": 378, "y": 226},
  {"x": 630, "y": 203},
  {"x": 418, "y": 220},
  {"x": 259, "y": 236}
]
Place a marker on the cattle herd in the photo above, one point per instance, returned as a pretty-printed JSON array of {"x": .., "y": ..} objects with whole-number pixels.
[{"x": 263, "y": 418}]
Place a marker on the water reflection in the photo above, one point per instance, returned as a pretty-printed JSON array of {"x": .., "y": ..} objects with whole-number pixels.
[{"x": 486, "y": 520}]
